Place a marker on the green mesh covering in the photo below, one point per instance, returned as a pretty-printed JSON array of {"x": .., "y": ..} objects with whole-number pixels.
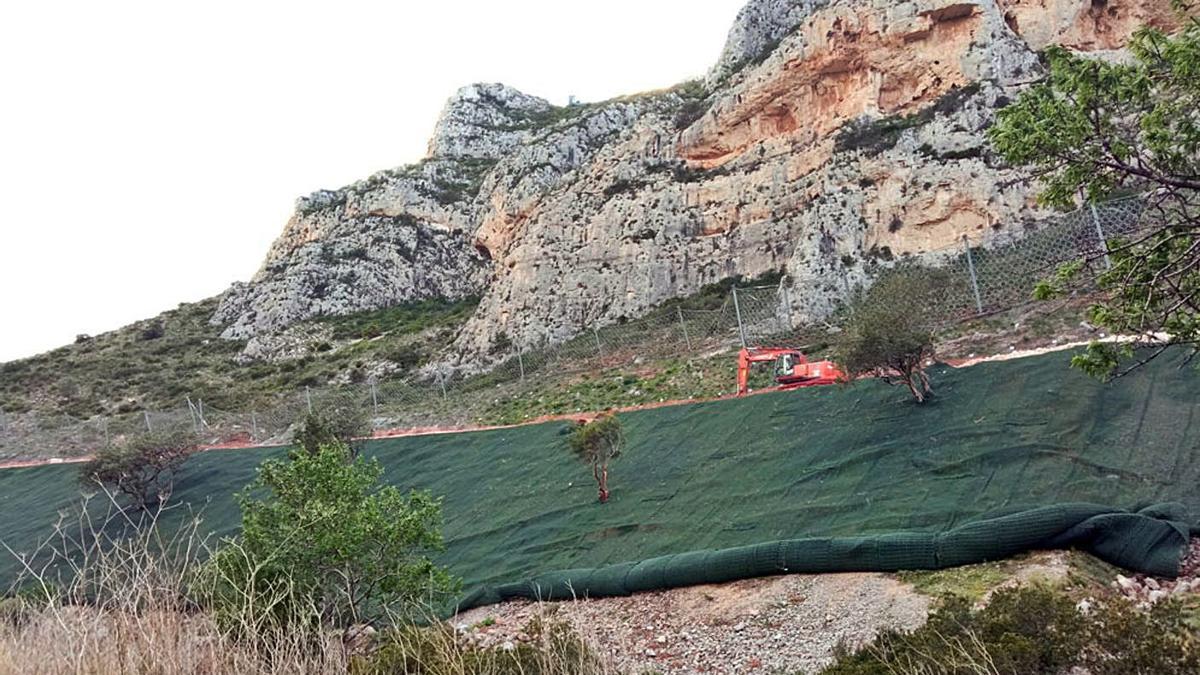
[
  {"x": 838, "y": 477},
  {"x": 1151, "y": 541}
]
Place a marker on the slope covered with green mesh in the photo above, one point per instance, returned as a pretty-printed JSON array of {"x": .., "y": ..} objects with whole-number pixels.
[{"x": 829, "y": 462}]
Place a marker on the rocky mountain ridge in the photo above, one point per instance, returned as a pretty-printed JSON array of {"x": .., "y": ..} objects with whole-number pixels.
[{"x": 831, "y": 137}]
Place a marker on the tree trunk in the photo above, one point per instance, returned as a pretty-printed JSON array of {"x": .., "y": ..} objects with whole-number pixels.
[
  {"x": 910, "y": 379},
  {"x": 601, "y": 476},
  {"x": 925, "y": 383}
]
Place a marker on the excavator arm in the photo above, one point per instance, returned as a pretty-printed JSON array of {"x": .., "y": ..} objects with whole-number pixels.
[{"x": 747, "y": 357}]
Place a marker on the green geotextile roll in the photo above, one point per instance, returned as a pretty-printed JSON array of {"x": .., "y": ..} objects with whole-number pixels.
[{"x": 1152, "y": 540}]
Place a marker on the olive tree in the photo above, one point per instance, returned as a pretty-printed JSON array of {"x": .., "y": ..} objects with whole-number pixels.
[
  {"x": 1094, "y": 129},
  {"x": 596, "y": 444},
  {"x": 143, "y": 469},
  {"x": 888, "y": 331}
]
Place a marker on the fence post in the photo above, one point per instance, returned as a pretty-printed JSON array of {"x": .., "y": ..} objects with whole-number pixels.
[
  {"x": 683, "y": 324},
  {"x": 253, "y": 426},
  {"x": 596, "y": 334},
  {"x": 107, "y": 440},
  {"x": 308, "y": 398},
  {"x": 374, "y": 399},
  {"x": 442, "y": 382},
  {"x": 192, "y": 412},
  {"x": 1103, "y": 239},
  {"x": 974, "y": 279},
  {"x": 521, "y": 363},
  {"x": 146, "y": 416},
  {"x": 200, "y": 413},
  {"x": 737, "y": 308},
  {"x": 787, "y": 305}
]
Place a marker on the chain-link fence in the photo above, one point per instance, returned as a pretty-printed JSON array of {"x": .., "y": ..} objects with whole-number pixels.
[{"x": 978, "y": 280}]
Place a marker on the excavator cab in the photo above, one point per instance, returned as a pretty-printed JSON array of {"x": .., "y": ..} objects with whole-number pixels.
[{"x": 785, "y": 365}]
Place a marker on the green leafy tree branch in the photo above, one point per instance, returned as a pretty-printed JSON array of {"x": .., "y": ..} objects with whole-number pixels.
[{"x": 1092, "y": 130}]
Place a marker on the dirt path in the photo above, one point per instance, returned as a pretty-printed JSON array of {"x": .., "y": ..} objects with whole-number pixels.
[{"x": 775, "y": 624}]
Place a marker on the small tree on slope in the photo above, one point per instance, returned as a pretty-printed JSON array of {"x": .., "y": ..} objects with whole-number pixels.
[
  {"x": 143, "y": 469},
  {"x": 597, "y": 443},
  {"x": 888, "y": 332}
]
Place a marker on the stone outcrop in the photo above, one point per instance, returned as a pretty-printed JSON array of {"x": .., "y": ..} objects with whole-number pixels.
[
  {"x": 758, "y": 29},
  {"x": 1095, "y": 25},
  {"x": 831, "y": 137}
]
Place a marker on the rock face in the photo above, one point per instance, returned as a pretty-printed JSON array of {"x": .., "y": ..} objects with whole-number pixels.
[
  {"x": 831, "y": 137},
  {"x": 1087, "y": 26},
  {"x": 757, "y": 30}
]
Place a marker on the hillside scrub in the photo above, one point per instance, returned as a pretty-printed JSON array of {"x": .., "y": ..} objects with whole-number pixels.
[
  {"x": 1034, "y": 630},
  {"x": 134, "y": 600},
  {"x": 341, "y": 426},
  {"x": 323, "y": 539},
  {"x": 1094, "y": 129},
  {"x": 158, "y": 363}
]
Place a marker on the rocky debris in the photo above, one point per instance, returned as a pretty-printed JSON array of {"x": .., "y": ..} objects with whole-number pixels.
[
  {"x": 290, "y": 344},
  {"x": 1146, "y": 590},
  {"x": 758, "y": 625},
  {"x": 832, "y": 137}
]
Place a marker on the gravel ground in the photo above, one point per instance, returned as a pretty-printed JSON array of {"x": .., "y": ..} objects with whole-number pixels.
[
  {"x": 786, "y": 624},
  {"x": 1146, "y": 590},
  {"x": 757, "y": 625}
]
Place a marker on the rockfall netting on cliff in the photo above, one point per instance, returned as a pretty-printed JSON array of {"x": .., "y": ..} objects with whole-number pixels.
[{"x": 1008, "y": 456}]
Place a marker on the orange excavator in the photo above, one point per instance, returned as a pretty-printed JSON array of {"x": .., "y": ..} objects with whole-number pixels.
[{"x": 792, "y": 369}]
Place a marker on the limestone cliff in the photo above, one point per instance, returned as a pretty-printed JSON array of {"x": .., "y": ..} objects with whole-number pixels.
[{"x": 830, "y": 137}]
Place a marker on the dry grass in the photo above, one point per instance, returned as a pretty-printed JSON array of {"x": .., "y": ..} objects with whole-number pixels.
[
  {"x": 74, "y": 639},
  {"x": 112, "y": 595}
]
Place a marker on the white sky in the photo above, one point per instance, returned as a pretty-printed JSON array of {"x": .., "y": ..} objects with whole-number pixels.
[{"x": 151, "y": 151}]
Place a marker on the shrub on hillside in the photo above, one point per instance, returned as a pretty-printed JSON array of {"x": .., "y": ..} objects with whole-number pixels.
[
  {"x": 1033, "y": 631},
  {"x": 143, "y": 469},
  {"x": 333, "y": 426},
  {"x": 324, "y": 540}
]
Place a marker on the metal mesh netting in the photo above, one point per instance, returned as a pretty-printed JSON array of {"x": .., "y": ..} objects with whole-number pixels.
[{"x": 978, "y": 280}]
